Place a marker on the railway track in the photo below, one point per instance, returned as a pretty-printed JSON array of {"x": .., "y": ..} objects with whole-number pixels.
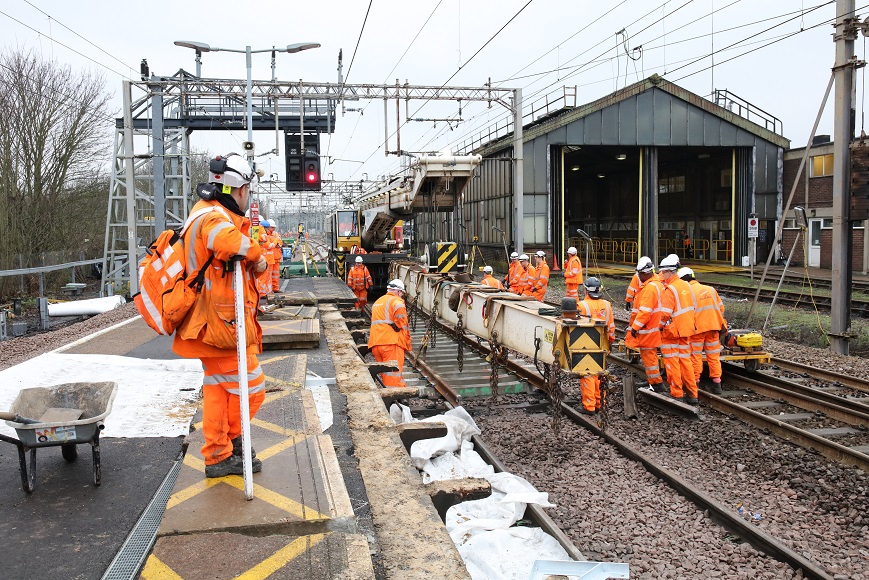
[
  {"x": 800, "y": 279},
  {"x": 461, "y": 373},
  {"x": 858, "y": 307}
]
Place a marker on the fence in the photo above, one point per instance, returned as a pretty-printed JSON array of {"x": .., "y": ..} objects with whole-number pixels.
[{"x": 41, "y": 270}]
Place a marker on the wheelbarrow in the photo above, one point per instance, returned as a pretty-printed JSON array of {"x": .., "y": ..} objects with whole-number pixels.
[{"x": 62, "y": 415}]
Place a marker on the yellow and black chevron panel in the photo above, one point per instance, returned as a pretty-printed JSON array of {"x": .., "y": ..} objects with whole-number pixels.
[
  {"x": 583, "y": 348},
  {"x": 446, "y": 256},
  {"x": 340, "y": 266}
]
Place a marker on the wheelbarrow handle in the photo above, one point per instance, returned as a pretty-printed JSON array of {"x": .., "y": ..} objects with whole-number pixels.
[{"x": 4, "y": 416}]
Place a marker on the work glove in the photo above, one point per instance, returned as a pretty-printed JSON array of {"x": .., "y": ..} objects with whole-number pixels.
[
  {"x": 634, "y": 332},
  {"x": 395, "y": 327},
  {"x": 627, "y": 306},
  {"x": 261, "y": 265}
]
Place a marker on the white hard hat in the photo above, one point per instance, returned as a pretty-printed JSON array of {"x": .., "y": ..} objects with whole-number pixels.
[
  {"x": 487, "y": 269},
  {"x": 232, "y": 170},
  {"x": 571, "y": 250},
  {"x": 273, "y": 224},
  {"x": 523, "y": 257},
  {"x": 671, "y": 262},
  {"x": 358, "y": 259},
  {"x": 645, "y": 265},
  {"x": 395, "y": 285},
  {"x": 541, "y": 254},
  {"x": 514, "y": 256},
  {"x": 683, "y": 272}
]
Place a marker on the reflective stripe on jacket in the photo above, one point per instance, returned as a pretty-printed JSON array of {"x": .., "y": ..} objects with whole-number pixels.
[
  {"x": 527, "y": 280},
  {"x": 514, "y": 276},
  {"x": 599, "y": 309},
  {"x": 492, "y": 282},
  {"x": 359, "y": 278},
  {"x": 209, "y": 329},
  {"x": 677, "y": 309},
  {"x": 632, "y": 288},
  {"x": 709, "y": 314},
  {"x": 542, "y": 282},
  {"x": 389, "y": 309},
  {"x": 573, "y": 270},
  {"x": 646, "y": 315}
]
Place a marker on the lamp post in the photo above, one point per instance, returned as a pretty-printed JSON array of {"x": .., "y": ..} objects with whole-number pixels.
[{"x": 201, "y": 47}]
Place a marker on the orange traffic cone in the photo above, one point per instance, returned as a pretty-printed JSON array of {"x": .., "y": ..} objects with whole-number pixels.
[{"x": 555, "y": 267}]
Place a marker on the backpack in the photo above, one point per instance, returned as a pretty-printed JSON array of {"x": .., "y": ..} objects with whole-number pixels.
[{"x": 164, "y": 298}]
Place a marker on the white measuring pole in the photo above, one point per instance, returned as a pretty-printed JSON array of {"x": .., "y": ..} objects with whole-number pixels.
[{"x": 241, "y": 350}]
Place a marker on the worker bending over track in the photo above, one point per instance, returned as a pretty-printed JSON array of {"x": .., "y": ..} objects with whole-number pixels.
[
  {"x": 596, "y": 308},
  {"x": 208, "y": 332},
  {"x": 678, "y": 305},
  {"x": 709, "y": 322},
  {"x": 644, "y": 326},
  {"x": 390, "y": 338}
]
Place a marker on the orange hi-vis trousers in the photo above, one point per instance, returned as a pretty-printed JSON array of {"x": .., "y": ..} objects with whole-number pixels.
[
  {"x": 590, "y": 388},
  {"x": 572, "y": 291},
  {"x": 390, "y": 352},
  {"x": 709, "y": 343},
  {"x": 650, "y": 363},
  {"x": 361, "y": 298},
  {"x": 221, "y": 406},
  {"x": 264, "y": 282},
  {"x": 677, "y": 361},
  {"x": 275, "y": 270}
]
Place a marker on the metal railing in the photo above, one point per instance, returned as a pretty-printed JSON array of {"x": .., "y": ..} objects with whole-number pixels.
[{"x": 734, "y": 104}]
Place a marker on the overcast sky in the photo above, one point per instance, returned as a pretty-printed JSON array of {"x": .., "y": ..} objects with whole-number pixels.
[{"x": 786, "y": 78}]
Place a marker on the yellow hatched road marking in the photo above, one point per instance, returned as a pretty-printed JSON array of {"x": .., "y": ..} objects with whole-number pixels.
[
  {"x": 273, "y": 427},
  {"x": 281, "y": 558},
  {"x": 156, "y": 570},
  {"x": 279, "y": 501},
  {"x": 275, "y": 359}
]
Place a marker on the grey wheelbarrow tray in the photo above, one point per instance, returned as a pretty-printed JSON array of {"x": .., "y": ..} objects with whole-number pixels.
[{"x": 32, "y": 413}]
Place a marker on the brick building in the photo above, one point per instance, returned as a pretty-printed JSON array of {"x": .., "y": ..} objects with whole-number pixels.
[{"x": 815, "y": 194}]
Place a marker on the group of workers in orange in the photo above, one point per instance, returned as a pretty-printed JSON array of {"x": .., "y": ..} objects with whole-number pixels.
[
  {"x": 674, "y": 312},
  {"x": 271, "y": 242},
  {"x": 525, "y": 279}
]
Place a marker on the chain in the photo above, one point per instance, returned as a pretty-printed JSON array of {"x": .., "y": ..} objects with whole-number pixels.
[
  {"x": 459, "y": 339},
  {"x": 431, "y": 329},
  {"x": 556, "y": 394},
  {"x": 603, "y": 415},
  {"x": 414, "y": 311},
  {"x": 493, "y": 358}
]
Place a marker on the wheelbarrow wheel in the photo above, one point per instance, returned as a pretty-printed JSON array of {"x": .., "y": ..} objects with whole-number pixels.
[{"x": 69, "y": 451}]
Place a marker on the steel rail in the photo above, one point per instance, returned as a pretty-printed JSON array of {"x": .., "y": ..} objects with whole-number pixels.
[
  {"x": 823, "y": 374},
  {"x": 791, "y": 298}
]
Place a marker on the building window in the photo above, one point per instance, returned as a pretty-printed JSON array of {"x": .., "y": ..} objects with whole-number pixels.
[
  {"x": 821, "y": 165},
  {"x": 674, "y": 184},
  {"x": 536, "y": 216},
  {"x": 827, "y": 224}
]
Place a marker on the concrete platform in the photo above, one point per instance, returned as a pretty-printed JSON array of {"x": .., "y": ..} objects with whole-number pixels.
[
  {"x": 300, "y": 523},
  {"x": 290, "y": 333}
]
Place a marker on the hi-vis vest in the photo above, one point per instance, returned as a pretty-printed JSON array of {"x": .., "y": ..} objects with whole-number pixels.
[
  {"x": 709, "y": 314},
  {"x": 677, "y": 306},
  {"x": 388, "y": 310},
  {"x": 646, "y": 315}
]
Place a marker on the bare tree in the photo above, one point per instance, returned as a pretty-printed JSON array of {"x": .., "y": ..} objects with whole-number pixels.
[{"x": 54, "y": 145}]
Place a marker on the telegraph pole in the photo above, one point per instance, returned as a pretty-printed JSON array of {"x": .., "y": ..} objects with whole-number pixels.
[
  {"x": 518, "y": 173},
  {"x": 843, "y": 130}
]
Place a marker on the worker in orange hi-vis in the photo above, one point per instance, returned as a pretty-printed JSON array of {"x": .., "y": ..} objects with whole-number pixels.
[
  {"x": 709, "y": 321},
  {"x": 541, "y": 283},
  {"x": 528, "y": 290},
  {"x": 572, "y": 274},
  {"x": 596, "y": 308},
  {"x": 511, "y": 280},
  {"x": 207, "y": 332},
  {"x": 678, "y": 305},
  {"x": 264, "y": 280},
  {"x": 390, "y": 338},
  {"x": 359, "y": 280},
  {"x": 632, "y": 291},
  {"x": 489, "y": 280},
  {"x": 644, "y": 332},
  {"x": 278, "y": 254},
  {"x": 523, "y": 276}
]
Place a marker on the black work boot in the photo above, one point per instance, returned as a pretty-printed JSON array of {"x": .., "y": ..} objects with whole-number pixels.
[
  {"x": 232, "y": 465},
  {"x": 257, "y": 464}
]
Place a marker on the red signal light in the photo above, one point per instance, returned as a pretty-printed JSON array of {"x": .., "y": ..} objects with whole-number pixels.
[{"x": 312, "y": 177}]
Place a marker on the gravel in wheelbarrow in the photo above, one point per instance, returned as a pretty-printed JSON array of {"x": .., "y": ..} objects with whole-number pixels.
[{"x": 61, "y": 415}]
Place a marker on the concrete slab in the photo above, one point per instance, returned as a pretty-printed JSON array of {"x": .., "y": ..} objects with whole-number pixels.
[
  {"x": 312, "y": 557},
  {"x": 294, "y": 312},
  {"x": 294, "y": 298},
  {"x": 283, "y": 334}
]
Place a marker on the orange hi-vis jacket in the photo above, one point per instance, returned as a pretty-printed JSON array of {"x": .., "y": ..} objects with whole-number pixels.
[
  {"x": 542, "y": 281},
  {"x": 598, "y": 309},
  {"x": 632, "y": 288},
  {"x": 209, "y": 329},
  {"x": 359, "y": 278},
  {"x": 573, "y": 270},
  {"x": 492, "y": 282},
  {"x": 677, "y": 310},
  {"x": 267, "y": 244},
  {"x": 513, "y": 275},
  {"x": 276, "y": 250},
  {"x": 388, "y": 310},
  {"x": 709, "y": 314},
  {"x": 523, "y": 280},
  {"x": 646, "y": 315}
]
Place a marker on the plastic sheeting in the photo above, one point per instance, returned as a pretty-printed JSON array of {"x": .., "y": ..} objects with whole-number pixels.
[
  {"x": 156, "y": 398},
  {"x": 484, "y": 530},
  {"x": 86, "y": 307}
]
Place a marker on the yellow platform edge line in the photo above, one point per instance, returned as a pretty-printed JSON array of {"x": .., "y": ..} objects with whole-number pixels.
[
  {"x": 281, "y": 558},
  {"x": 156, "y": 570}
]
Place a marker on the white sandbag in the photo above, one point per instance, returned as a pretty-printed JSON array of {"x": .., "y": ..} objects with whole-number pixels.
[
  {"x": 467, "y": 463},
  {"x": 508, "y": 554},
  {"x": 86, "y": 307},
  {"x": 460, "y": 428}
]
